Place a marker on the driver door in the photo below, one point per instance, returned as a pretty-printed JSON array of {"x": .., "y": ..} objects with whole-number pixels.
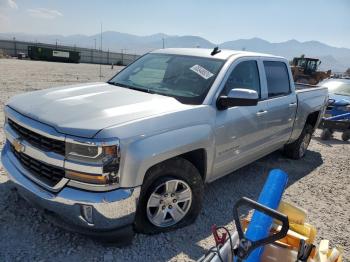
[{"x": 240, "y": 130}]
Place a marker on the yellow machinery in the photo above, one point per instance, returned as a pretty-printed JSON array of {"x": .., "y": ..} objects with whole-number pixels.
[{"x": 305, "y": 71}]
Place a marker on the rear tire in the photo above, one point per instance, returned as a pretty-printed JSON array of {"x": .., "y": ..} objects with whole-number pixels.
[
  {"x": 174, "y": 210},
  {"x": 298, "y": 148},
  {"x": 346, "y": 135},
  {"x": 326, "y": 134}
]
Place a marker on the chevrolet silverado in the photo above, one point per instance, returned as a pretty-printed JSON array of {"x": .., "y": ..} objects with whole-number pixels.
[{"x": 134, "y": 153}]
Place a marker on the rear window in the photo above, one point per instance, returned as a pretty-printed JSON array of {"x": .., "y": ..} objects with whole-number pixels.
[{"x": 277, "y": 78}]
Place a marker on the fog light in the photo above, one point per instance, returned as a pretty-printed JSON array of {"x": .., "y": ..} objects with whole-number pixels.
[{"x": 86, "y": 212}]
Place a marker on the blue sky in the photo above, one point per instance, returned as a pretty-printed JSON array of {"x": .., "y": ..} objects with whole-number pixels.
[{"x": 217, "y": 21}]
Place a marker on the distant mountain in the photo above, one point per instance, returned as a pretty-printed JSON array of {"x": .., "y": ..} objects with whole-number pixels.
[{"x": 337, "y": 59}]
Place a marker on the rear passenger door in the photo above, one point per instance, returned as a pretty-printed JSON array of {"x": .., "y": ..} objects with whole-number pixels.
[{"x": 281, "y": 104}]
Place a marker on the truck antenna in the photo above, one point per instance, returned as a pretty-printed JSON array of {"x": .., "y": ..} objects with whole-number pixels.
[{"x": 215, "y": 51}]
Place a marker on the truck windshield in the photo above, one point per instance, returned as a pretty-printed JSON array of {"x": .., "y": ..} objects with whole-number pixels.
[{"x": 186, "y": 78}]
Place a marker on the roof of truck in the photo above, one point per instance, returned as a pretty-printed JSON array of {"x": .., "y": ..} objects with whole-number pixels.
[{"x": 204, "y": 52}]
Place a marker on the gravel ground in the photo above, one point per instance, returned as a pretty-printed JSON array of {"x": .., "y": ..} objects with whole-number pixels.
[{"x": 318, "y": 183}]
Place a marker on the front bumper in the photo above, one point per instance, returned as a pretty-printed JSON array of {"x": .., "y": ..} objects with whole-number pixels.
[{"x": 110, "y": 210}]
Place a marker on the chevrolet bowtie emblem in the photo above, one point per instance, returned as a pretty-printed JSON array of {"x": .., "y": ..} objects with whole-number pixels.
[{"x": 18, "y": 145}]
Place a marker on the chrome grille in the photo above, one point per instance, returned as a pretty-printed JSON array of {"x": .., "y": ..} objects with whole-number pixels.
[
  {"x": 41, "y": 142},
  {"x": 49, "y": 174}
]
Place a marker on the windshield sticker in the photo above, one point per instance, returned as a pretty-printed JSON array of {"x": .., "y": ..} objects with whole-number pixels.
[{"x": 202, "y": 71}]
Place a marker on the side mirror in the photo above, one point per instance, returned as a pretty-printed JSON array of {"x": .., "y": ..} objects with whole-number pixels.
[{"x": 238, "y": 97}]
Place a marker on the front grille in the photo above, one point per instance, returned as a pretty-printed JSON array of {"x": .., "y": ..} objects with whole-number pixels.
[
  {"x": 48, "y": 174},
  {"x": 41, "y": 142}
]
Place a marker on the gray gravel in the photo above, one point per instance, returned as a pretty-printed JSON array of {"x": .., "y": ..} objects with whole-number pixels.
[{"x": 319, "y": 183}]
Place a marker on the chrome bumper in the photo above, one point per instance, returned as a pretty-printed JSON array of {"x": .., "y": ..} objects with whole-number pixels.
[{"x": 110, "y": 210}]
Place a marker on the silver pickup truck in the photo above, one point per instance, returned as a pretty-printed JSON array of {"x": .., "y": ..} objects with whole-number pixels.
[{"x": 134, "y": 153}]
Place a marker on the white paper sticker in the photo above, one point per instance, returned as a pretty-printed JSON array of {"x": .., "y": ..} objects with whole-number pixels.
[
  {"x": 202, "y": 71},
  {"x": 60, "y": 54}
]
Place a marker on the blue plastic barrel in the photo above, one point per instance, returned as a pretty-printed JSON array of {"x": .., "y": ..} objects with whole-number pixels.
[{"x": 270, "y": 196}]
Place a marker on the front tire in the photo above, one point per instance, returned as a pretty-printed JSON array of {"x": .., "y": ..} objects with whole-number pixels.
[
  {"x": 298, "y": 148},
  {"x": 171, "y": 197}
]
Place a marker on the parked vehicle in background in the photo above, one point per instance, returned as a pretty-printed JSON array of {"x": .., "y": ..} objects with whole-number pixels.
[
  {"x": 136, "y": 151},
  {"x": 305, "y": 70},
  {"x": 338, "y": 121},
  {"x": 50, "y": 54},
  {"x": 339, "y": 89},
  {"x": 21, "y": 55},
  {"x": 338, "y": 109}
]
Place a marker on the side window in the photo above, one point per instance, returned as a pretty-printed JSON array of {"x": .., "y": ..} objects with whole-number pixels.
[
  {"x": 244, "y": 75},
  {"x": 277, "y": 78}
]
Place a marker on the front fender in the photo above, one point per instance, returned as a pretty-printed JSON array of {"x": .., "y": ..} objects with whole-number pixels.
[{"x": 146, "y": 152}]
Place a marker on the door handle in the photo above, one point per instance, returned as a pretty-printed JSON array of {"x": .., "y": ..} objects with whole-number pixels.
[
  {"x": 261, "y": 112},
  {"x": 293, "y": 104}
]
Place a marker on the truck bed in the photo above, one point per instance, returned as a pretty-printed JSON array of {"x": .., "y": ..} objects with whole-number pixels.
[
  {"x": 310, "y": 99},
  {"x": 301, "y": 86}
]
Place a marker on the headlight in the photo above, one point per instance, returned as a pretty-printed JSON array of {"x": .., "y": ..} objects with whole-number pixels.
[
  {"x": 103, "y": 154},
  {"x": 86, "y": 152}
]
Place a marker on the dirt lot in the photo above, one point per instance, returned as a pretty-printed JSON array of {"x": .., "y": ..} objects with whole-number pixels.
[{"x": 320, "y": 183}]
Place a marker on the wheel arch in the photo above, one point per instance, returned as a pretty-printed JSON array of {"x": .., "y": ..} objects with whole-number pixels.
[
  {"x": 197, "y": 157},
  {"x": 313, "y": 119},
  {"x": 301, "y": 120},
  {"x": 191, "y": 143}
]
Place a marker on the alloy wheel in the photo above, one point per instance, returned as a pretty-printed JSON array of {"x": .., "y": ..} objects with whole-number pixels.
[{"x": 169, "y": 203}]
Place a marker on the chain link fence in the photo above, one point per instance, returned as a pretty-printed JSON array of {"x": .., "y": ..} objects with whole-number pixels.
[{"x": 15, "y": 48}]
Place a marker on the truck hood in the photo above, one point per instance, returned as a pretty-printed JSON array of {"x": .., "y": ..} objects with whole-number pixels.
[
  {"x": 85, "y": 109},
  {"x": 338, "y": 98}
]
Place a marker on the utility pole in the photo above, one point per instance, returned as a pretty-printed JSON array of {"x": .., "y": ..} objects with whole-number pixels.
[
  {"x": 163, "y": 42},
  {"x": 101, "y": 36},
  {"x": 56, "y": 42},
  {"x": 92, "y": 51},
  {"x": 101, "y": 54},
  {"x": 122, "y": 52},
  {"x": 108, "y": 56},
  {"x": 15, "y": 45}
]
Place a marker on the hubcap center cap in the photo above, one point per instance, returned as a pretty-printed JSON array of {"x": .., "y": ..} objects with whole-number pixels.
[{"x": 168, "y": 200}]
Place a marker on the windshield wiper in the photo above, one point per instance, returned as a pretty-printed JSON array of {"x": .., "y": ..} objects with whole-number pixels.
[
  {"x": 142, "y": 90},
  {"x": 132, "y": 87},
  {"x": 118, "y": 84}
]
